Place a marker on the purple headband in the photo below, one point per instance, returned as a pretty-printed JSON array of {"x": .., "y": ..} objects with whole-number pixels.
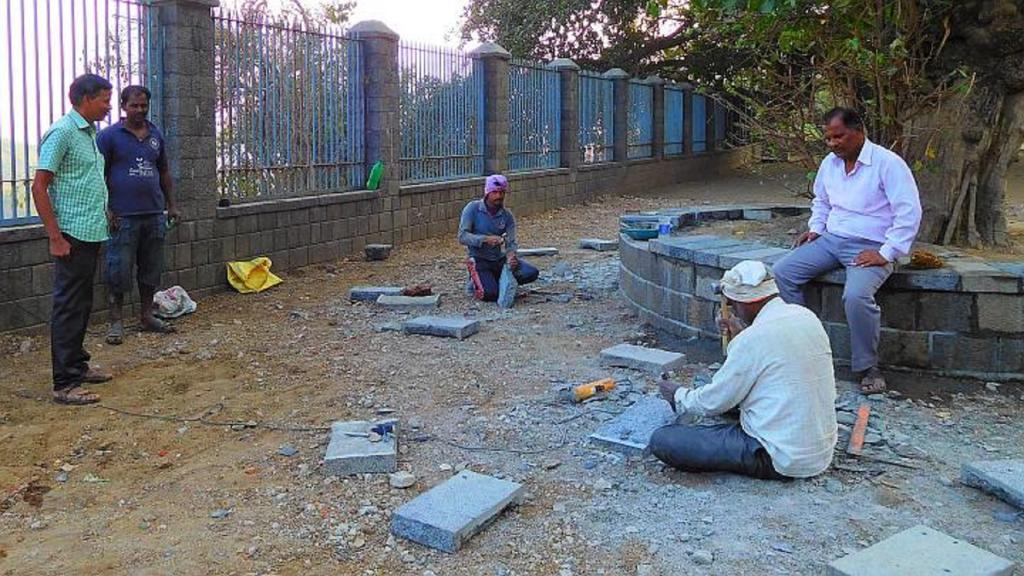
[{"x": 494, "y": 183}]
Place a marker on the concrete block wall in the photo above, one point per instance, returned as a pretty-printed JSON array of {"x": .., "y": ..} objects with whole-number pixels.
[
  {"x": 964, "y": 320},
  {"x": 295, "y": 232}
]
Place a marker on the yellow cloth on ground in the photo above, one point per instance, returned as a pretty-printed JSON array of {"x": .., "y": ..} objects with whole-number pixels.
[{"x": 252, "y": 276}]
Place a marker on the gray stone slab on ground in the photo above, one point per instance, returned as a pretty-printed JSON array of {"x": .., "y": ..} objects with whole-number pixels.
[
  {"x": 630, "y": 432},
  {"x": 377, "y": 251},
  {"x": 1002, "y": 478},
  {"x": 652, "y": 360},
  {"x": 530, "y": 252},
  {"x": 449, "y": 514},
  {"x": 598, "y": 244},
  {"x": 408, "y": 303},
  {"x": 371, "y": 293},
  {"x": 921, "y": 551},
  {"x": 759, "y": 214},
  {"x": 351, "y": 451},
  {"x": 446, "y": 326}
]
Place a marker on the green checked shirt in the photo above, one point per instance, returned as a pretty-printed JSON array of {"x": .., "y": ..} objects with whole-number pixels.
[{"x": 78, "y": 191}]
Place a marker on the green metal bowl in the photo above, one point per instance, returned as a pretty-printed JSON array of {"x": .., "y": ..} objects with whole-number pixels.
[{"x": 641, "y": 233}]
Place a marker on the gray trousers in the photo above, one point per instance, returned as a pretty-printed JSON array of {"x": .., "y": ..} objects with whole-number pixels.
[{"x": 863, "y": 315}]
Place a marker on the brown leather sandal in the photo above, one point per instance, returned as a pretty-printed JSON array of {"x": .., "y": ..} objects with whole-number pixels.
[{"x": 76, "y": 396}]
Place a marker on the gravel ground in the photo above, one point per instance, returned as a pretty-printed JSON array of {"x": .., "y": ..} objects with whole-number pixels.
[{"x": 95, "y": 491}]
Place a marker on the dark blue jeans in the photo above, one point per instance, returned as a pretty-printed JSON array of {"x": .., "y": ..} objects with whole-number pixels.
[
  {"x": 72, "y": 304},
  {"x": 719, "y": 448},
  {"x": 136, "y": 247},
  {"x": 489, "y": 271}
]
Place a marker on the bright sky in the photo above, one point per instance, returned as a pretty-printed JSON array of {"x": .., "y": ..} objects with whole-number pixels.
[{"x": 422, "y": 21}]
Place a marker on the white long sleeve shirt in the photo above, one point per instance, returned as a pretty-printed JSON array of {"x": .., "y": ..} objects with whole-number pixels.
[
  {"x": 779, "y": 372},
  {"x": 878, "y": 201}
]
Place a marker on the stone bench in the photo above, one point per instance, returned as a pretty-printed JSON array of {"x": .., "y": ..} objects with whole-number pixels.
[{"x": 963, "y": 320}]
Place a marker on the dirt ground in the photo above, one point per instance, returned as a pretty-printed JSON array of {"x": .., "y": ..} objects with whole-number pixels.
[{"x": 97, "y": 490}]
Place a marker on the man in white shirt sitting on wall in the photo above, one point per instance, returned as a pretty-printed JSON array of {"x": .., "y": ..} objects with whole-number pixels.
[
  {"x": 865, "y": 215},
  {"x": 778, "y": 373}
]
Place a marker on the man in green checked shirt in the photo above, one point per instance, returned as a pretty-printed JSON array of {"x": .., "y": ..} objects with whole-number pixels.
[{"x": 71, "y": 198}]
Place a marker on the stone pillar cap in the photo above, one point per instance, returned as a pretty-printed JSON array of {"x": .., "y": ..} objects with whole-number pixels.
[
  {"x": 616, "y": 74},
  {"x": 563, "y": 64},
  {"x": 373, "y": 29},
  {"x": 654, "y": 80},
  {"x": 490, "y": 50}
]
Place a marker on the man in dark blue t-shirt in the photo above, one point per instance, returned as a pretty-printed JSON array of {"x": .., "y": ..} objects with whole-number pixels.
[{"x": 140, "y": 190}]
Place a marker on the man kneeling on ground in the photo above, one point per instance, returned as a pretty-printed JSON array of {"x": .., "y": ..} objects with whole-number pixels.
[
  {"x": 488, "y": 231},
  {"x": 778, "y": 373}
]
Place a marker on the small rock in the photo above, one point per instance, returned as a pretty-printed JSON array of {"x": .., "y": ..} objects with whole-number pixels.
[
  {"x": 445, "y": 467},
  {"x": 992, "y": 386},
  {"x": 374, "y": 437},
  {"x": 62, "y": 477},
  {"x": 603, "y": 485},
  {"x": 848, "y": 418},
  {"x": 552, "y": 464},
  {"x": 1004, "y": 516},
  {"x": 782, "y": 547},
  {"x": 702, "y": 557},
  {"x": 644, "y": 570},
  {"x": 872, "y": 439},
  {"x": 589, "y": 464},
  {"x": 287, "y": 450},
  {"x": 26, "y": 346},
  {"x": 220, "y": 513},
  {"x": 833, "y": 486},
  {"x": 401, "y": 479},
  {"x": 358, "y": 543}
]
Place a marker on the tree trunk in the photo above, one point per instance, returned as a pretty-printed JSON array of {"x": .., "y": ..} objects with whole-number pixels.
[{"x": 960, "y": 152}]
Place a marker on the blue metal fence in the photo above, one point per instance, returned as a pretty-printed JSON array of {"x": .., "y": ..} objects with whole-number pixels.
[
  {"x": 640, "y": 123},
  {"x": 675, "y": 123},
  {"x": 535, "y": 115},
  {"x": 700, "y": 124},
  {"x": 441, "y": 108},
  {"x": 721, "y": 114},
  {"x": 597, "y": 118},
  {"x": 48, "y": 43},
  {"x": 290, "y": 110}
]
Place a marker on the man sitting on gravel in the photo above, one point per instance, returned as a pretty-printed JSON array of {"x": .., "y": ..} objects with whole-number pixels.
[
  {"x": 488, "y": 231},
  {"x": 778, "y": 373}
]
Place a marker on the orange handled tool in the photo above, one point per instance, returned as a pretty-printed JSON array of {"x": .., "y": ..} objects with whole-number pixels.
[{"x": 584, "y": 391}]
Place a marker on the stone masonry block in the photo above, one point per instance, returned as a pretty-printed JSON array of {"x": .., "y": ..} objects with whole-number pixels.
[
  {"x": 630, "y": 432},
  {"x": 408, "y": 303},
  {"x": 674, "y": 274},
  {"x": 761, "y": 215},
  {"x": 449, "y": 514},
  {"x": 371, "y": 293},
  {"x": 945, "y": 311},
  {"x": 712, "y": 255},
  {"x": 599, "y": 244},
  {"x": 901, "y": 348},
  {"x": 1003, "y": 479},
  {"x": 921, "y": 551},
  {"x": 352, "y": 451},
  {"x": 976, "y": 276},
  {"x": 899, "y": 309},
  {"x": 652, "y": 360},
  {"x": 531, "y": 252},
  {"x": 769, "y": 256},
  {"x": 951, "y": 351},
  {"x": 450, "y": 327},
  {"x": 1001, "y": 313}
]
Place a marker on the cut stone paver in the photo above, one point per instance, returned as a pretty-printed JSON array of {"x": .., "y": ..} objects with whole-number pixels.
[
  {"x": 407, "y": 303},
  {"x": 351, "y": 450},
  {"x": 761, "y": 215},
  {"x": 653, "y": 360},
  {"x": 445, "y": 326},
  {"x": 630, "y": 432},
  {"x": 599, "y": 244},
  {"x": 529, "y": 252},
  {"x": 371, "y": 293},
  {"x": 1001, "y": 478},
  {"x": 449, "y": 514},
  {"x": 921, "y": 551}
]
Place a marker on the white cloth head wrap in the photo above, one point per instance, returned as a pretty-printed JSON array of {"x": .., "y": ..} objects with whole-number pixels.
[{"x": 749, "y": 281}]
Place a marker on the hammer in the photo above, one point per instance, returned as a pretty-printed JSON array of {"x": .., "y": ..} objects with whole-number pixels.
[{"x": 716, "y": 287}]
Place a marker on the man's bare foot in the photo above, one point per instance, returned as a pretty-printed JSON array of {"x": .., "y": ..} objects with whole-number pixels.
[{"x": 872, "y": 382}]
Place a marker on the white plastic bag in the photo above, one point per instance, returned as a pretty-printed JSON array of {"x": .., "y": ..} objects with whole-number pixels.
[{"x": 173, "y": 302}]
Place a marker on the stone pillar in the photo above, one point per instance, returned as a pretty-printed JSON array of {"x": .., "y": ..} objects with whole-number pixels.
[
  {"x": 188, "y": 103},
  {"x": 495, "y": 62},
  {"x": 381, "y": 133},
  {"x": 569, "y": 86},
  {"x": 712, "y": 108},
  {"x": 658, "y": 117},
  {"x": 621, "y": 103},
  {"x": 687, "y": 118}
]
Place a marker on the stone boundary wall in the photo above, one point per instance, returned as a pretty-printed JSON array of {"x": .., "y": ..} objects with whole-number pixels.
[
  {"x": 301, "y": 231},
  {"x": 963, "y": 320}
]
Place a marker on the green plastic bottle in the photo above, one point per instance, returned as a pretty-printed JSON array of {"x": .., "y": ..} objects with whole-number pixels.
[{"x": 373, "y": 182}]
